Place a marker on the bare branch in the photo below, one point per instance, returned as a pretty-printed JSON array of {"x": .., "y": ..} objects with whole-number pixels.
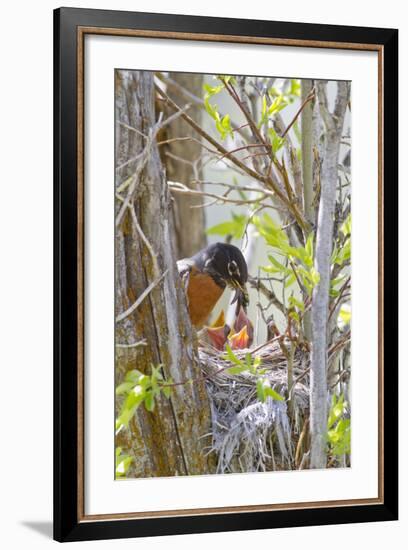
[
  {"x": 132, "y": 346},
  {"x": 171, "y": 84},
  {"x": 310, "y": 97},
  {"x": 145, "y": 240},
  {"x": 268, "y": 293},
  {"x": 145, "y": 293},
  {"x": 267, "y": 180},
  {"x": 211, "y": 140}
]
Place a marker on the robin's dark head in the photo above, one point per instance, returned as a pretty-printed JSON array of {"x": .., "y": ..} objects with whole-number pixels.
[{"x": 226, "y": 264}]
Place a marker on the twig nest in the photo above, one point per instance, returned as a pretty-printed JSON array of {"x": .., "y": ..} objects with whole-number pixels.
[{"x": 250, "y": 434}]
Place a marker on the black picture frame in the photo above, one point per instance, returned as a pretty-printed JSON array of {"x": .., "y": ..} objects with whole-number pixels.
[{"x": 67, "y": 333}]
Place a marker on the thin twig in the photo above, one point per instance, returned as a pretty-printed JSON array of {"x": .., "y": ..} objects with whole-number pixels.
[
  {"x": 143, "y": 160},
  {"x": 210, "y": 139},
  {"x": 268, "y": 293},
  {"x": 187, "y": 95},
  {"x": 310, "y": 97},
  {"x": 134, "y": 345},
  {"x": 131, "y": 128},
  {"x": 255, "y": 131},
  {"x": 181, "y": 188},
  {"x": 339, "y": 297},
  {"x": 159, "y": 126},
  {"x": 268, "y": 181},
  {"x": 145, "y": 240},
  {"x": 242, "y": 148},
  {"x": 145, "y": 293},
  {"x": 302, "y": 288},
  {"x": 340, "y": 343}
]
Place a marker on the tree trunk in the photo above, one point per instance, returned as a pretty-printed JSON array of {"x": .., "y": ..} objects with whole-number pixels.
[
  {"x": 168, "y": 441},
  {"x": 189, "y": 223},
  {"x": 307, "y": 175},
  {"x": 333, "y": 123},
  {"x": 307, "y": 153}
]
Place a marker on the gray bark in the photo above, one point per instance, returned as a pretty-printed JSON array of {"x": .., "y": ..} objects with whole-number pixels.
[
  {"x": 333, "y": 123},
  {"x": 307, "y": 175},
  {"x": 167, "y": 441},
  {"x": 307, "y": 153}
]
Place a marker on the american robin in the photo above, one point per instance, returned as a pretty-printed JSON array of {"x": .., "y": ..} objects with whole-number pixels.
[{"x": 206, "y": 275}]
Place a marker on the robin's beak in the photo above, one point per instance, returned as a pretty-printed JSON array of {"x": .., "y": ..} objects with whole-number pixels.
[{"x": 241, "y": 294}]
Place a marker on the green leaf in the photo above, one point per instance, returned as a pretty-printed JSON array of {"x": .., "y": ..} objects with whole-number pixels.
[
  {"x": 264, "y": 390},
  {"x": 149, "y": 401},
  {"x": 295, "y": 87},
  {"x": 270, "y": 269},
  {"x": 213, "y": 90},
  {"x": 211, "y": 109},
  {"x": 230, "y": 356},
  {"x": 224, "y": 126},
  {"x": 343, "y": 254},
  {"x": 260, "y": 390},
  {"x": 294, "y": 315},
  {"x": 225, "y": 228},
  {"x": 125, "y": 387},
  {"x": 228, "y": 79},
  {"x": 339, "y": 437},
  {"x": 270, "y": 392},
  {"x": 277, "y": 105},
  {"x": 334, "y": 254},
  {"x": 135, "y": 397},
  {"x": 157, "y": 372},
  {"x": 345, "y": 314},
  {"x": 277, "y": 264},
  {"x": 294, "y": 302},
  {"x": 347, "y": 250},
  {"x": 237, "y": 370},
  {"x": 336, "y": 410},
  {"x": 276, "y": 141},
  {"x": 337, "y": 280},
  {"x": 264, "y": 112},
  {"x": 290, "y": 280},
  {"x": 234, "y": 227},
  {"x": 125, "y": 417},
  {"x": 122, "y": 465},
  {"x": 346, "y": 226},
  {"x": 314, "y": 276},
  {"x": 133, "y": 376},
  {"x": 309, "y": 246},
  {"x": 272, "y": 233}
]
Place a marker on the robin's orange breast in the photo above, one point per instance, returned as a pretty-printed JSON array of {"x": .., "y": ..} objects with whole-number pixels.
[{"x": 203, "y": 293}]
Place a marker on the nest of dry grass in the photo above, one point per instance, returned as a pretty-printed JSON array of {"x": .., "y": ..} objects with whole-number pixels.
[{"x": 249, "y": 435}]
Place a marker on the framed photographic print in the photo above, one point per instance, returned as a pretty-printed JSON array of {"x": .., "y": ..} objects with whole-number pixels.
[{"x": 225, "y": 274}]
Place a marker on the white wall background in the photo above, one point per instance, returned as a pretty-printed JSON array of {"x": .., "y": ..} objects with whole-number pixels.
[{"x": 26, "y": 274}]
